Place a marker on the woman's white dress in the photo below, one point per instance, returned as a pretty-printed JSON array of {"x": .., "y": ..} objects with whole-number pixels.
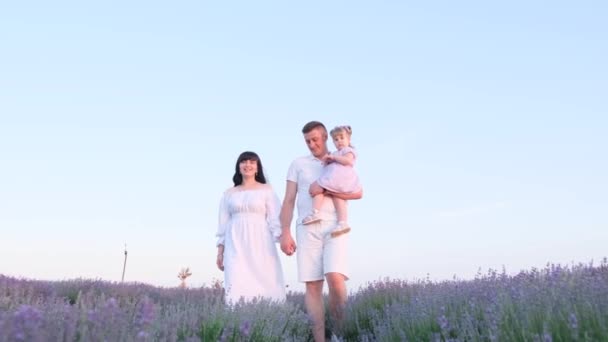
[{"x": 249, "y": 228}]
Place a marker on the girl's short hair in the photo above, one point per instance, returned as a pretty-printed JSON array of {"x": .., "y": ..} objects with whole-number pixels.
[{"x": 341, "y": 129}]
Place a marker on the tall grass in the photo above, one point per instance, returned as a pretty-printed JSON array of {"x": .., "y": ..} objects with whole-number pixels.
[{"x": 556, "y": 303}]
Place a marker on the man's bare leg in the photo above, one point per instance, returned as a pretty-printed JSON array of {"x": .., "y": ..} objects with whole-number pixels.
[
  {"x": 337, "y": 298},
  {"x": 314, "y": 305}
]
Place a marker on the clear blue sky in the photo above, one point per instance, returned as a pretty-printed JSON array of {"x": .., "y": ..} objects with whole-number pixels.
[{"x": 482, "y": 130}]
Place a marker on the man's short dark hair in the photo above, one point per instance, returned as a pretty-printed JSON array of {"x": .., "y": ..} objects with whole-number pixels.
[{"x": 312, "y": 125}]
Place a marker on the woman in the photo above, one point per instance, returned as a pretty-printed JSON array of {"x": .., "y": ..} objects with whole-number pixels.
[{"x": 247, "y": 231}]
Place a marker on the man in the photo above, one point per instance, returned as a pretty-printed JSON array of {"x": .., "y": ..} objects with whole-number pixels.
[{"x": 319, "y": 255}]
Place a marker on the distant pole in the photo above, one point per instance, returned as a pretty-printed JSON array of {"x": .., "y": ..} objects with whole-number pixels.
[{"x": 124, "y": 266}]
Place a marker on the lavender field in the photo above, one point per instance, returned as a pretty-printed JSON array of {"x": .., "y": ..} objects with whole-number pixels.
[{"x": 556, "y": 303}]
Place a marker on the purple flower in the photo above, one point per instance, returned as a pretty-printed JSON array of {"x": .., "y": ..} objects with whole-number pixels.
[
  {"x": 443, "y": 323},
  {"x": 142, "y": 335},
  {"x": 245, "y": 329},
  {"x": 146, "y": 312},
  {"x": 572, "y": 321},
  {"x": 26, "y": 322},
  {"x": 112, "y": 303}
]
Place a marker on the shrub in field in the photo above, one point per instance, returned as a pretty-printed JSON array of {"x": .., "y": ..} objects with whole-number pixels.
[
  {"x": 551, "y": 304},
  {"x": 91, "y": 310},
  {"x": 556, "y": 303}
]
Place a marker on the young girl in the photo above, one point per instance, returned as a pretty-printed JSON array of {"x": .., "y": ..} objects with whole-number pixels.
[{"x": 338, "y": 176}]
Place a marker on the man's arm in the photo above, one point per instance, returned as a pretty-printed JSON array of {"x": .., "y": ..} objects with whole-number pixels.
[
  {"x": 351, "y": 196},
  {"x": 288, "y": 246},
  {"x": 316, "y": 189}
]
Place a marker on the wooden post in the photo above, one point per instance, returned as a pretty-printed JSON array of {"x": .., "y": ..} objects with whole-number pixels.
[{"x": 124, "y": 266}]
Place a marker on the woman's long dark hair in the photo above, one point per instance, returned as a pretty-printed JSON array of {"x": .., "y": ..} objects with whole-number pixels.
[{"x": 248, "y": 155}]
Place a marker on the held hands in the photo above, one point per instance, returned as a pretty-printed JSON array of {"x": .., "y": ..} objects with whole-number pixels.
[{"x": 288, "y": 246}]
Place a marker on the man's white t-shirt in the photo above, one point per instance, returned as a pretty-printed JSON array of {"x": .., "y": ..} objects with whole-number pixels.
[{"x": 304, "y": 171}]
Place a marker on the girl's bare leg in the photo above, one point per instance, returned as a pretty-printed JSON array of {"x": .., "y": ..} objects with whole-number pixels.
[
  {"x": 313, "y": 217},
  {"x": 317, "y": 202},
  {"x": 342, "y": 212}
]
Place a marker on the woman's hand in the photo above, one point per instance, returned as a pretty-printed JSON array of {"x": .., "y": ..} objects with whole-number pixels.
[
  {"x": 220, "y": 262},
  {"x": 220, "y": 257}
]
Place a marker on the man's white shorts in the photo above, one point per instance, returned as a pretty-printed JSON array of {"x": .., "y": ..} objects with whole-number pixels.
[{"x": 318, "y": 253}]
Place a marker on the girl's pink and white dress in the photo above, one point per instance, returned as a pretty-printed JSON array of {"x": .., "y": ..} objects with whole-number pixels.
[
  {"x": 249, "y": 229},
  {"x": 340, "y": 178}
]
